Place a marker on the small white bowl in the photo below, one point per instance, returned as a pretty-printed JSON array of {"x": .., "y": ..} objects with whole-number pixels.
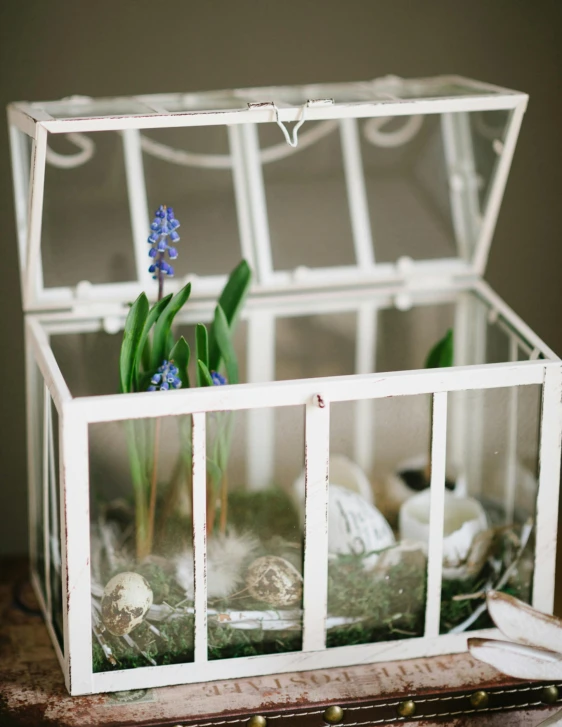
[{"x": 464, "y": 519}]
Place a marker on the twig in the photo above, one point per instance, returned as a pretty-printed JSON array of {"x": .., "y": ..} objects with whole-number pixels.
[
  {"x": 152, "y": 504},
  {"x": 525, "y": 535}
]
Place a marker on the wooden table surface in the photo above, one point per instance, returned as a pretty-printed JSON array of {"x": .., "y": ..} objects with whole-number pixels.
[{"x": 32, "y": 691}]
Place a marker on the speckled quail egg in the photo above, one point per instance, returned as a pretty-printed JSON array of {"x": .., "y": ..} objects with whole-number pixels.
[
  {"x": 126, "y": 600},
  {"x": 275, "y": 581}
]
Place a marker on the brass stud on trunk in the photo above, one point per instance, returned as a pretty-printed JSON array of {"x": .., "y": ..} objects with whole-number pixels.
[
  {"x": 257, "y": 721},
  {"x": 549, "y": 695},
  {"x": 407, "y": 708},
  {"x": 333, "y": 714},
  {"x": 480, "y": 699}
]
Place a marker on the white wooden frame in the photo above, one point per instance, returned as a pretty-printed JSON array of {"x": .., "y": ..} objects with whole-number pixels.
[
  {"x": 364, "y": 288},
  {"x": 33, "y": 120},
  {"x": 75, "y": 415}
]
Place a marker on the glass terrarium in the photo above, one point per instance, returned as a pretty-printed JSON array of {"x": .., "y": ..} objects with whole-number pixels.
[{"x": 340, "y": 477}]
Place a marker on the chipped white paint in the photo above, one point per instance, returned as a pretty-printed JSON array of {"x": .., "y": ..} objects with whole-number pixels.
[
  {"x": 199, "y": 505},
  {"x": 436, "y": 514},
  {"x": 317, "y": 456}
]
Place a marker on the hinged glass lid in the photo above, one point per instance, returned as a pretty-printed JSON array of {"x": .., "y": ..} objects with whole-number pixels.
[{"x": 388, "y": 180}]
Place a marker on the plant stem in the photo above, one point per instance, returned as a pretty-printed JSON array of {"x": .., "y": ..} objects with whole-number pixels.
[
  {"x": 139, "y": 489},
  {"x": 153, "y": 482},
  {"x": 211, "y": 508},
  {"x": 160, "y": 279},
  {"x": 224, "y": 503}
]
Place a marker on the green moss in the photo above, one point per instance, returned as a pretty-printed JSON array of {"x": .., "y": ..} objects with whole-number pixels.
[
  {"x": 388, "y": 605},
  {"x": 264, "y": 513}
]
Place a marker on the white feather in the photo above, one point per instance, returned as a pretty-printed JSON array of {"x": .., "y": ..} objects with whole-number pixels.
[
  {"x": 517, "y": 660},
  {"x": 554, "y": 720},
  {"x": 227, "y": 558},
  {"x": 523, "y": 624}
]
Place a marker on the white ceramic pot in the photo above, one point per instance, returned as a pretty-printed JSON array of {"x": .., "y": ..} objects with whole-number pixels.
[{"x": 464, "y": 519}]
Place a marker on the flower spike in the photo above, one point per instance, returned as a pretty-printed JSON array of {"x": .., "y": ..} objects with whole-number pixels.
[
  {"x": 165, "y": 378},
  {"x": 163, "y": 229}
]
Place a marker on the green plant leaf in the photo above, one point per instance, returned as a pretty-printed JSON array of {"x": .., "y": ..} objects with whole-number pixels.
[
  {"x": 201, "y": 348},
  {"x": 132, "y": 336},
  {"x": 180, "y": 355},
  {"x": 441, "y": 355},
  {"x": 206, "y": 379},
  {"x": 224, "y": 341},
  {"x": 231, "y": 301},
  {"x": 143, "y": 353},
  {"x": 163, "y": 326}
]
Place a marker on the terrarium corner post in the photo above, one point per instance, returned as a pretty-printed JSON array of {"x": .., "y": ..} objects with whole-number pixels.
[
  {"x": 199, "y": 509},
  {"x": 315, "y": 568},
  {"x": 436, "y": 513},
  {"x": 75, "y": 537},
  {"x": 549, "y": 484}
]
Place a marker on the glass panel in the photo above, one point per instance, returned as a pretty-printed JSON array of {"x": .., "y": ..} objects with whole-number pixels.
[
  {"x": 141, "y": 535},
  {"x": 306, "y": 197},
  {"x": 377, "y": 565},
  {"x": 55, "y": 553},
  {"x": 493, "y": 442},
  {"x": 83, "y": 106},
  {"x": 380, "y": 89},
  {"x": 89, "y": 360},
  {"x": 428, "y": 179},
  {"x": 255, "y": 518},
  {"x": 37, "y": 424},
  {"x": 488, "y": 129},
  {"x": 86, "y": 230},
  {"x": 385, "y": 88},
  {"x": 407, "y": 188},
  {"x": 201, "y": 194},
  {"x": 350, "y": 336}
]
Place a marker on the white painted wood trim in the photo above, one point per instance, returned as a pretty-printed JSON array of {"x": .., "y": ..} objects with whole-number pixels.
[
  {"x": 160, "y": 676},
  {"x": 22, "y": 120},
  {"x": 199, "y": 509},
  {"x": 258, "y": 204},
  {"x": 494, "y": 300},
  {"x": 298, "y": 303},
  {"x": 116, "y": 407},
  {"x": 20, "y": 175},
  {"x": 75, "y": 541},
  {"x": 33, "y": 267},
  {"x": 496, "y": 192},
  {"x": 138, "y": 204},
  {"x": 243, "y": 209},
  {"x": 549, "y": 482},
  {"x": 47, "y": 363},
  {"x": 264, "y": 115},
  {"x": 45, "y": 451},
  {"x": 315, "y": 571},
  {"x": 33, "y": 386},
  {"x": 356, "y": 194},
  {"x": 423, "y": 275},
  {"x": 511, "y": 444},
  {"x": 436, "y": 514}
]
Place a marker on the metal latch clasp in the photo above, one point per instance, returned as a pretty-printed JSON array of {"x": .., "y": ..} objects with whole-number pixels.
[{"x": 291, "y": 138}]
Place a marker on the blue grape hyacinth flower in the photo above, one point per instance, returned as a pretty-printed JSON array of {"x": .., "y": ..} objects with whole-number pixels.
[
  {"x": 163, "y": 231},
  {"x": 165, "y": 378},
  {"x": 218, "y": 379}
]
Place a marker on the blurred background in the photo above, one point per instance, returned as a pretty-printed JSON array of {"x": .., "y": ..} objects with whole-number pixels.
[{"x": 53, "y": 50}]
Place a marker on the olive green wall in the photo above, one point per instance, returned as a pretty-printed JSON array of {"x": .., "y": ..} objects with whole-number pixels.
[{"x": 53, "y": 49}]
